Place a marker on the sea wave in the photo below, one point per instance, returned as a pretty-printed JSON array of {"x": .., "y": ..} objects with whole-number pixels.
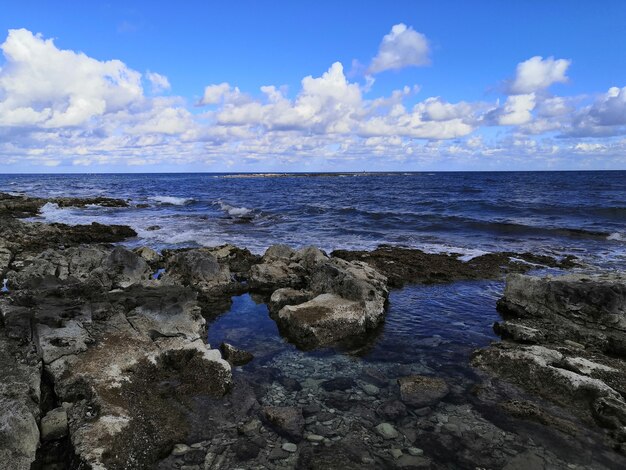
[
  {"x": 617, "y": 236},
  {"x": 51, "y": 212},
  {"x": 172, "y": 200},
  {"x": 233, "y": 211}
]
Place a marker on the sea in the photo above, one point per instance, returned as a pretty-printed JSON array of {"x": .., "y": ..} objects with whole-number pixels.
[
  {"x": 556, "y": 213},
  {"x": 429, "y": 329}
]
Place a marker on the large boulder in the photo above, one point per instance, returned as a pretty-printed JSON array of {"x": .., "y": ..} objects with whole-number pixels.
[
  {"x": 590, "y": 310},
  {"x": 341, "y": 300},
  {"x": 198, "y": 268},
  {"x": 325, "y": 320}
]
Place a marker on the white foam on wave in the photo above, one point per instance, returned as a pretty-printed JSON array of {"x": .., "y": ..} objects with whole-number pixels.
[
  {"x": 617, "y": 236},
  {"x": 234, "y": 211},
  {"x": 467, "y": 254},
  {"x": 172, "y": 200},
  {"x": 53, "y": 213}
]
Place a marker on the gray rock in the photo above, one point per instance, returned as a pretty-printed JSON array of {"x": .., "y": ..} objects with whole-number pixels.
[
  {"x": 235, "y": 356},
  {"x": 288, "y": 296},
  {"x": 199, "y": 268},
  {"x": 148, "y": 254},
  {"x": 387, "y": 431},
  {"x": 289, "y": 447},
  {"x": 19, "y": 408},
  {"x": 54, "y": 425},
  {"x": 585, "y": 309}
]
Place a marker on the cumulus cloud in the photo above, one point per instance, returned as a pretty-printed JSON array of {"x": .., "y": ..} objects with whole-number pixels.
[
  {"x": 517, "y": 110},
  {"x": 331, "y": 104},
  {"x": 159, "y": 82},
  {"x": 402, "y": 47},
  {"x": 61, "y": 107},
  {"x": 537, "y": 74},
  {"x": 606, "y": 116},
  {"x": 44, "y": 86}
]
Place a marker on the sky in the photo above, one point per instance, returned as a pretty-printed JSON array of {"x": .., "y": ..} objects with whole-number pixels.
[{"x": 299, "y": 86}]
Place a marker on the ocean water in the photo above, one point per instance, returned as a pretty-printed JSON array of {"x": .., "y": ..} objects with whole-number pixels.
[
  {"x": 428, "y": 329},
  {"x": 557, "y": 213}
]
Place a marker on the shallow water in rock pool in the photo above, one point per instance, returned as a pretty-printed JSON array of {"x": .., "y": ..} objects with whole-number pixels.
[{"x": 429, "y": 330}]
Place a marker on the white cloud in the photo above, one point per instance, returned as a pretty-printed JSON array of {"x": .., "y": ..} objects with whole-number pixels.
[
  {"x": 606, "y": 116},
  {"x": 537, "y": 74},
  {"x": 60, "y": 107},
  {"x": 43, "y": 86},
  {"x": 213, "y": 94},
  {"x": 159, "y": 82},
  {"x": 402, "y": 47},
  {"x": 517, "y": 110}
]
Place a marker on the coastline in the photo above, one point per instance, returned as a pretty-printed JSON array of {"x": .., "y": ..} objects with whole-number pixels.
[{"x": 93, "y": 327}]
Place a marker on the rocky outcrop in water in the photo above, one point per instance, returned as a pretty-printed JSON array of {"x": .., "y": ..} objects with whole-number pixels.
[
  {"x": 407, "y": 265},
  {"x": 565, "y": 341},
  {"x": 318, "y": 300},
  {"x": 17, "y": 205}
]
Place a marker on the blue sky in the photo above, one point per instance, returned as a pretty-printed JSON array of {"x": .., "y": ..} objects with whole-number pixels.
[{"x": 444, "y": 85}]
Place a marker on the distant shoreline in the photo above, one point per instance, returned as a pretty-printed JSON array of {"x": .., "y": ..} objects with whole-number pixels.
[{"x": 271, "y": 174}]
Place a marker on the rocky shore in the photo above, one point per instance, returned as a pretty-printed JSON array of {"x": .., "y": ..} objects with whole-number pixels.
[{"x": 105, "y": 365}]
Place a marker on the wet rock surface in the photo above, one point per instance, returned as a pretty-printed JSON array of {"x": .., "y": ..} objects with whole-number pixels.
[
  {"x": 564, "y": 341},
  {"x": 406, "y": 265}
]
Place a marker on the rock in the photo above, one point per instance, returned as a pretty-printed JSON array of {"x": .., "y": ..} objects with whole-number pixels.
[
  {"x": 289, "y": 383},
  {"x": 370, "y": 389},
  {"x": 325, "y": 320},
  {"x": 375, "y": 376},
  {"x": 277, "y": 454},
  {"x": 518, "y": 332},
  {"x": 420, "y": 391},
  {"x": 250, "y": 428},
  {"x": 276, "y": 275},
  {"x": 396, "y": 453},
  {"x": 54, "y": 424},
  {"x": 524, "y": 461},
  {"x": 180, "y": 449},
  {"x": 278, "y": 252},
  {"x": 148, "y": 254},
  {"x": 415, "y": 451},
  {"x": 198, "y": 268},
  {"x": 413, "y": 462},
  {"x": 387, "y": 431},
  {"x": 405, "y": 265},
  {"x": 245, "y": 450},
  {"x": 236, "y": 357},
  {"x": 289, "y": 447},
  {"x": 288, "y": 296},
  {"x": 19, "y": 407},
  {"x": 338, "y": 383},
  {"x": 590, "y": 310},
  {"x": 286, "y": 420},
  {"x": 550, "y": 374},
  {"x": 314, "y": 438},
  {"x": 576, "y": 325},
  {"x": 392, "y": 410}
]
